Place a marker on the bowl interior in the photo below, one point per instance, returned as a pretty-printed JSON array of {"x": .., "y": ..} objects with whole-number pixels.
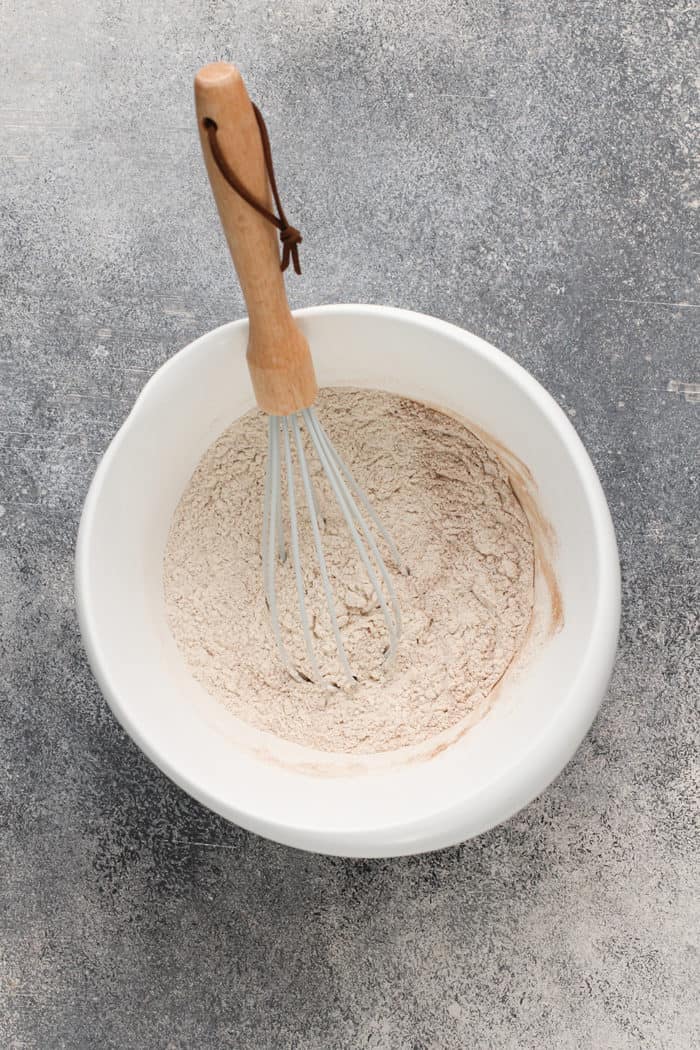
[{"x": 437, "y": 794}]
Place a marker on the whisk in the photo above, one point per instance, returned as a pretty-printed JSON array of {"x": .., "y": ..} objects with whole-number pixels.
[{"x": 238, "y": 159}]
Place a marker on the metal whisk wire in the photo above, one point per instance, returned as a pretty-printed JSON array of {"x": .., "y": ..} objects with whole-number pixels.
[{"x": 285, "y": 435}]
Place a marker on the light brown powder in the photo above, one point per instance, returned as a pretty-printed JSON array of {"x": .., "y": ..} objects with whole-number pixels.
[{"x": 466, "y": 604}]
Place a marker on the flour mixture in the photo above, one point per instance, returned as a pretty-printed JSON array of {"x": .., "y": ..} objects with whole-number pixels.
[{"x": 466, "y": 600}]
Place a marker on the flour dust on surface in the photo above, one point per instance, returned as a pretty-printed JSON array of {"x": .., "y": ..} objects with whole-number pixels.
[{"x": 466, "y": 602}]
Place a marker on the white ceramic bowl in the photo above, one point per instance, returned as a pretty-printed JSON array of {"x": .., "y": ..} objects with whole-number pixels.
[{"x": 429, "y": 797}]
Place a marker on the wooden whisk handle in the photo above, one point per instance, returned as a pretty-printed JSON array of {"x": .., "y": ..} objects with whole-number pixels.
[{"x": 278, "y": 355}]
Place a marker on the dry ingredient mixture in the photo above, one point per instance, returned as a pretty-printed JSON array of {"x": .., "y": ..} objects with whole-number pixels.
[{"x": 466, "y": 604}]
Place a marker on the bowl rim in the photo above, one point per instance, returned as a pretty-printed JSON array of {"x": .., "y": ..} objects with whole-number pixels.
[{"x": 512, "y": 787}]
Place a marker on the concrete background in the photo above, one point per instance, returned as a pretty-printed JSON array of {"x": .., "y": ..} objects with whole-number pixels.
[{"x": 522, "y": 169}]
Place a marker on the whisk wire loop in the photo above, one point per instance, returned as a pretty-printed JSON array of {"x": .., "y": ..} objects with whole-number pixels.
[{"x": 286, "y": 431}]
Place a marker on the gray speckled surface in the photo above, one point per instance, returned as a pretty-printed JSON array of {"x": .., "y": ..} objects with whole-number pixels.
[{"x": 519, "y": 169}]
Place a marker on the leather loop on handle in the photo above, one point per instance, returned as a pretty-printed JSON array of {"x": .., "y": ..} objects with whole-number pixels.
[
  {"x": 278, "y": 355},
  {"x": 289, "y": 235}
]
